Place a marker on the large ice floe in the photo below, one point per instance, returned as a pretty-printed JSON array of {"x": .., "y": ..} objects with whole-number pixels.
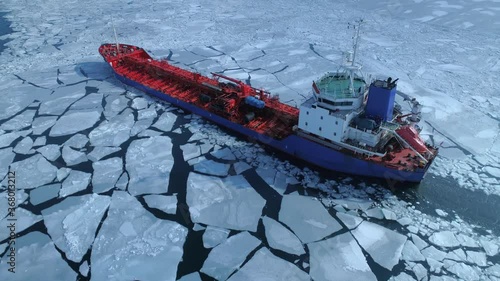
[
  {"x": 280, "y": 238},
  {"x": 338, "y": 258},
  {"x": 73, "y": 222},
  {"x": 311, "y": 222},
  {"x": 148, "y": 163},
  {"x": 132, "y": 241},
  {"x": 228, "y": 203}
]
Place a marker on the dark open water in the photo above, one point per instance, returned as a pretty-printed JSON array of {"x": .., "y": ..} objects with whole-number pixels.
[{"x": 4, "y": 30}]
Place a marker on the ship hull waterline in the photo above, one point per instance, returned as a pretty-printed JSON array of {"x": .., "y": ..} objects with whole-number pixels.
[{"x": 294, "y": 145}]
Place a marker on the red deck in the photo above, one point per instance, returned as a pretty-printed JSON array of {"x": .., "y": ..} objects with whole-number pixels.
[{"x": 220, "y": 95}]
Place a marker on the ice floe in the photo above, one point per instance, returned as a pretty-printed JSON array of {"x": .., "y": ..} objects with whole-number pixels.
[
  {"x": 50, "y": 151},
  {"x": 211, "y": 167},
  {"x": 338, "y": 258},
  {"x": 7, "y": 139},
  {"x": 280, "y": 238},
  {"x": 167, "y": 204},
  {"x": 60, "y": 100},
  {"x": 42, "y": 123},
  {"x": 165, "y": 122},
  {"x": 148, "y": 163},
  {"x": 240, "y": 167},
  {"x": 41, "y": 172},
  {"x": 40, "y": 141},
  {"x": 73, "y": 222},
  {"x": 73, "y": 157},
  {"x": 444, "y": 239},
  {"x": 122, "y": 181},
  {"x": 132, "y": 253},
  {"x": 148, "y": 113},
  {"x": 90, "y": 101},
  {"x": 76, "y": 181},
  {"x": 228, "y": 256},
  {"x": 139, "y": 103},
  {"x": 350, "y": 221},
  {"x": 277, "y": 180},
  {"x": 140, "y": 126},
  {"x": 106, "y": 173},
  {"x": 382, "y": 244},
  {"x": 35, "y": 255},
  {"x": 310, "y": 222},
  {"x": 213, "y": 236},
  {"x": 62, "y": 173},
  {"x": 224, "y": 154},
  {"x": 411, "y": 252},
  {"x": 433, "y": 253},
  {"x": 100, "y": 152},
  {"x": 266, "y": 266},
  {"x": 19, "y": 122},
  {"x": 465, "y": 272},
  {"x": 73, "y": 122},
  {"x": 229, "y": 203},
  {"x": 44, "y": 193},
  {"x": 190, "y": 151},
  {"x": 195, "y": 276},
  {"x": 113, "y": 132},
  {"x": 77, "y": 141}
]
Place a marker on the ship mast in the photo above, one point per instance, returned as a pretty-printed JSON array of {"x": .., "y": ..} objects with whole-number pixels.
[
  {"x": 116, "y": 37},
  {"x": 351, "y": 58}
]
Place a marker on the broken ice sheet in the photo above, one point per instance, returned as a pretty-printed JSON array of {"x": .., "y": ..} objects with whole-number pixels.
[
  {"x": 36, "y": 255},
  {"x": 195, "y": 276},
  {"x": 148, "y": 163},
  {"x": 190, "y": 151},
  {"x": 228, "y": 256},
  {"x": 224, "y": 154},
  {"x": 444, "y": 239},
  {"x": 310, "y": 222},
  {"x": 76, "y": 181},
  {"x": 230, "y": 203},
  {"x": 338, "y": 258},
  {"x": 382, "y": 244},
  {"x": 142, "y": 247},
  {"x": 73, "y": 222},
  {"x": 73, "y": 157},
  {"x": 19, "y": 121},
  {"x": 165, "y": 122},
  {"x": 44, "y": 193},
  {"x": 113, "y": 132},
  {"x": 279, "y": 237},
  {"x": 24, "y": 219},
  {"x": 100, "y": 152},
  {"x": 266, "y": 266}
]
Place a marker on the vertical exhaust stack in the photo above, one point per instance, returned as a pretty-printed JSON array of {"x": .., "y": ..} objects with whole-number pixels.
[{"x": 380, "y": 104}]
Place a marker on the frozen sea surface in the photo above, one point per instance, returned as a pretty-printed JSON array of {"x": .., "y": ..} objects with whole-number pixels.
[{"x": 115, "y": 185}]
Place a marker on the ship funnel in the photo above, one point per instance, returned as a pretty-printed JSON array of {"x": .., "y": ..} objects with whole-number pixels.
[{"x": 381, "y": 98}]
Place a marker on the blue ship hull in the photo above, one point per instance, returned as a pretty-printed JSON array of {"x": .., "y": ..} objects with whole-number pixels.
[{"x": 295, "y": 145}]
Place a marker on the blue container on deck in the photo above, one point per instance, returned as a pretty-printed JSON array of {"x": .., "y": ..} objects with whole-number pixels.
[
  {"x": 255, "y": 102},
  {"x": 380, "y": 102}
]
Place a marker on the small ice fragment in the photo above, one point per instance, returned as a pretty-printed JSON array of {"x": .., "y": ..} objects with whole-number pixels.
[
  {"x": 167, "y": 204},
  {"x": 165, "y": 122},
  {"x": 211, "y": 167},
  {"x": 50, "y": 151},
  {"x": 224, "y": 154},
  {"x": 24, "y": 146},
  {"x": 44, "y": 193},
  {"x": 139, "y": 103},
  {"x": 195, "y": 276},
  {"x": 77, "y": 141},
  {"x": 63, "y": 173},
  {"x": 444, "y": 239},
  {"x": 190, "y": 151},
  {"x": 149, "y": 113},
  {"x": 419, "y": 271},
  {"x": 140, "y": 126},
  {"x": 240, "y": 167},
  {"x": 40, "y": 141},
  {"x": 433, "y": 253},
  {"x": 421, "y": 244},
  {"x": 75, "y": 182},
  {"x": 100, "y": 152},
  {"x": 213, "y": 236},
  {"x": 122, "y": 181},
  {"x": 106, "y": 173},
  {"x": 404, "y": 221},
  {"x": 198, "y": 227},
  {"x": 41, "y": 124},
  {"x": 441, "y": 213},
  {"x": 375, "y": 213},
  {"x": 434, "y": 265},
  {"x": 84, "y": 268},
  {"x": 73, "y": 157},
  {"x": 478, "y": 258},
  {"x": 489, "y": 247}
]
